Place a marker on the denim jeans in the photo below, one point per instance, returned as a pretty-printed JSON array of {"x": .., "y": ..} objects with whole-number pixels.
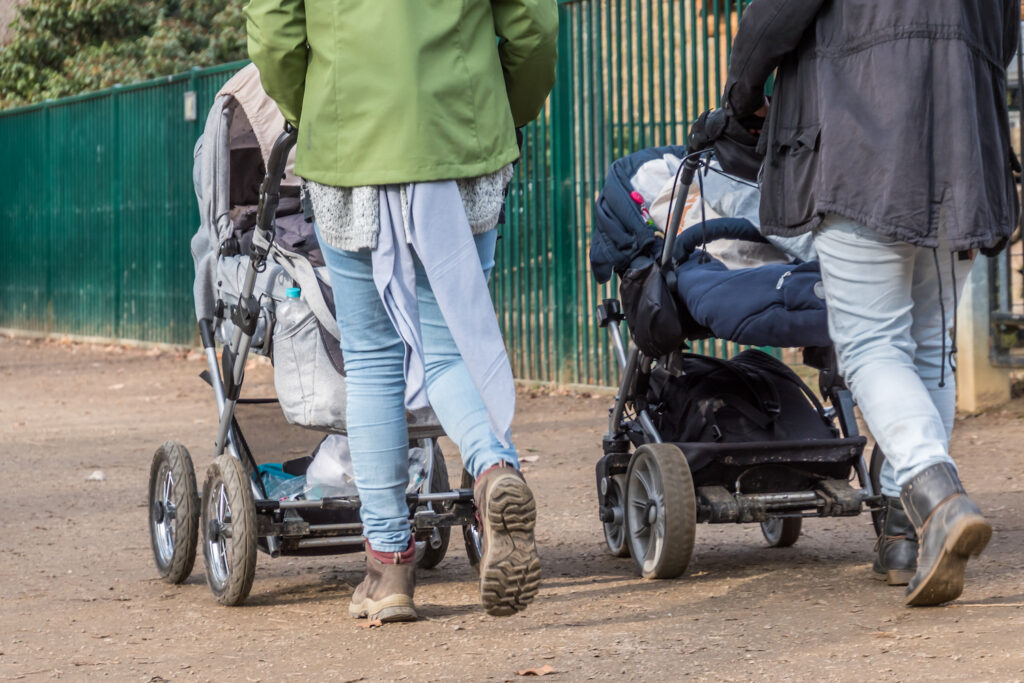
[
  {"x": 890, "y": 306},
  {"x": 375, "y": 410}
]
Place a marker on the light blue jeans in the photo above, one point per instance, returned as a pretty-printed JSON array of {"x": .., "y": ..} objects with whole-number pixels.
[
  {"x": 375, "y": 411},
  {"x": 890, "y": 306}
]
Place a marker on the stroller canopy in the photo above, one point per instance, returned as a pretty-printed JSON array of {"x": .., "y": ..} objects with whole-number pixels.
[{"x": 231, "y": 159}]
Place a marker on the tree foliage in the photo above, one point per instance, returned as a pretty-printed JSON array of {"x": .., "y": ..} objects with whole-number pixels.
[{"x": 64, "y": 47}]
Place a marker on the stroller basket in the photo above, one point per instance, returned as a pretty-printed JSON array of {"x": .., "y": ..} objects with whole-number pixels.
[{"x": 835, "y": 455}]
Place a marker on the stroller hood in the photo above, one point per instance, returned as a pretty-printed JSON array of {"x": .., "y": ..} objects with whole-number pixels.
[
  {"x": 265, "y": 121},
  {"x": 621, "y": 234}
]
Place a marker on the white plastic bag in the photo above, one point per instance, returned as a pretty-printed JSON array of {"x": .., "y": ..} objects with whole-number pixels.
[{"x": 331, "y": 475}]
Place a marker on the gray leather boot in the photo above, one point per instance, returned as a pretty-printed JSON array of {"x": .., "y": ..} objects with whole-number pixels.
[
  {"x": 386, "y": 591},
  {"x": 509, "y": 565},
  {"x": 950, "y": 530},
  {"x": 896, "y": 561}
]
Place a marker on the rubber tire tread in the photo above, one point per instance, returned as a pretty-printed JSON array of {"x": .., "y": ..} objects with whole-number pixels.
[
  {"x": 439, "y": 483},
  {"x": 179, "y": 462},
  {"x": 242, "y": 569},
  {"x": 472, "y": 552},
  {"x": 791, "y": 527},
  {"x": 680, "y": 511}
]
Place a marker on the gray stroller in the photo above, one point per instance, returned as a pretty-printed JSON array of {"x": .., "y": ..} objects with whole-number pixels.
[{"x": 261, "y": 288}]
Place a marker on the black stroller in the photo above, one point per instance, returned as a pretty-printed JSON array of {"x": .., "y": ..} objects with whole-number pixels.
[
  {"x": 260, "y": 290},
  {"x": 659, "y": 476}
]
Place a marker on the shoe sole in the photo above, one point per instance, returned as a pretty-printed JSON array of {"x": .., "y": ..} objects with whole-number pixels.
[
  {"x": 390, "y": 609},
  {"x": 945, "y": 581},
  {"x": 510, "y": 570}
]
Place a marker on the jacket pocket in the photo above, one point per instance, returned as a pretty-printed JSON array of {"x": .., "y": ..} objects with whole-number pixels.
[{"x": 795, "y": 157}]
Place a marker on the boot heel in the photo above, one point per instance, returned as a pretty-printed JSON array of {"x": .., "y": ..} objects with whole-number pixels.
[
  {"x": 950, "y": 529},
  {"x": 396, "y": 613},
  {"x": 969, "y": 537},
  {"x": 898, "y": 577}
]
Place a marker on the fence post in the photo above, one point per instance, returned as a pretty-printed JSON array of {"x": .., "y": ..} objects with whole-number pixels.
[
  {"x": 47, "y": 216},
  {"x": 563, "y": 200},
  {"x": 116, "y": 200}
]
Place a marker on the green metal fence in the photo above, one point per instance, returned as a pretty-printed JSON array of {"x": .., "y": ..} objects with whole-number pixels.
[
  {"x": 97, "y": 204},
  {"x": 631, "y": 74}
]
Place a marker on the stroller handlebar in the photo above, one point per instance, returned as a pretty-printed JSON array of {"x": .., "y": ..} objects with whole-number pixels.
[
  {"x": 270, "y": 192},
  {"x": 690, "y": 164}
]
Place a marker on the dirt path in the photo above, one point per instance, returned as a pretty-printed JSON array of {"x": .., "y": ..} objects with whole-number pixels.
[{"x": 79, "y": 598}]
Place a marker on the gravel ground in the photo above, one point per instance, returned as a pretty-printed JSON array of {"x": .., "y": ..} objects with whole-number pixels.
[{"x": 81, "y": 599}]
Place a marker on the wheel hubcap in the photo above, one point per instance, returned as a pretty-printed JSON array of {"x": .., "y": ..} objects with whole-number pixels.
[
  {"x": 218, "y": 547},
  {"x": 652, "y": 513},
  {"x": 645, "y": 521},
  {"x": 164, "y": 525},
  {"x": 474, "y": 535},
  {"x": 772, "y": 530},
  {"x": 615, "y": 531}
]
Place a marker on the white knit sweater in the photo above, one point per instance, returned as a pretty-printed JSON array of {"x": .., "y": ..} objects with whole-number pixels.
[{"x": 349, "y": 217}]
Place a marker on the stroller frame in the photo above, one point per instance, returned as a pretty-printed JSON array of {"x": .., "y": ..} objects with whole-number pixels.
[
  {"x": 237, "y": 517},
  {"x": 647, "y": 499}
]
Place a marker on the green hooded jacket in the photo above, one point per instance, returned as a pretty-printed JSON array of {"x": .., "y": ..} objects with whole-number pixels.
[{"x": 396, "y": 91}]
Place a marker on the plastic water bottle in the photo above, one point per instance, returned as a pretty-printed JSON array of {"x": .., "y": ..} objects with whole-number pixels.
[{"x": 292, "y": 311}]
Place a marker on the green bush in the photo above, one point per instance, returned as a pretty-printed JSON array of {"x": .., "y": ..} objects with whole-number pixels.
[{"x": 64, "y": 47}]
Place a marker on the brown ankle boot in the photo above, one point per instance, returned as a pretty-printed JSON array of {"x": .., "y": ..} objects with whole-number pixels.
[
  {"x": 386, "y": 591},
  {"x": 509, "y": 565},
  {"x": 950, "y": 530}
]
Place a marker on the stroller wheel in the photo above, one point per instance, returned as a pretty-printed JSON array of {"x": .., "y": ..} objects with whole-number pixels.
[
  {"x": 615, "y": 531},
  {"x": 229, "y": 531},
  {"x": 661, "y": 511},
  {"x": 875, "y": 475},
  {"x": 173, "y": 512},
  {"x": 471, "y": 532},
  {"x": 431, "y": 551},
  {"x": 782, "y": 532}
]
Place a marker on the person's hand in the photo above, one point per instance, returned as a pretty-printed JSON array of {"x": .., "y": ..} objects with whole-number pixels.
[
  {"x": 754, "y": 123},
  {"x": 708, "y": 127},
  {"x": 736, "y": 141}
]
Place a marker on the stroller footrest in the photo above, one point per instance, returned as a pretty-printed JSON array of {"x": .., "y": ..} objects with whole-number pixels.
[
  {"x": 459, "y": 515},
  {"x": 717, "y": 506},
  {"x": 841, "y": 499},
  {"x": 830, "y": 498}
]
